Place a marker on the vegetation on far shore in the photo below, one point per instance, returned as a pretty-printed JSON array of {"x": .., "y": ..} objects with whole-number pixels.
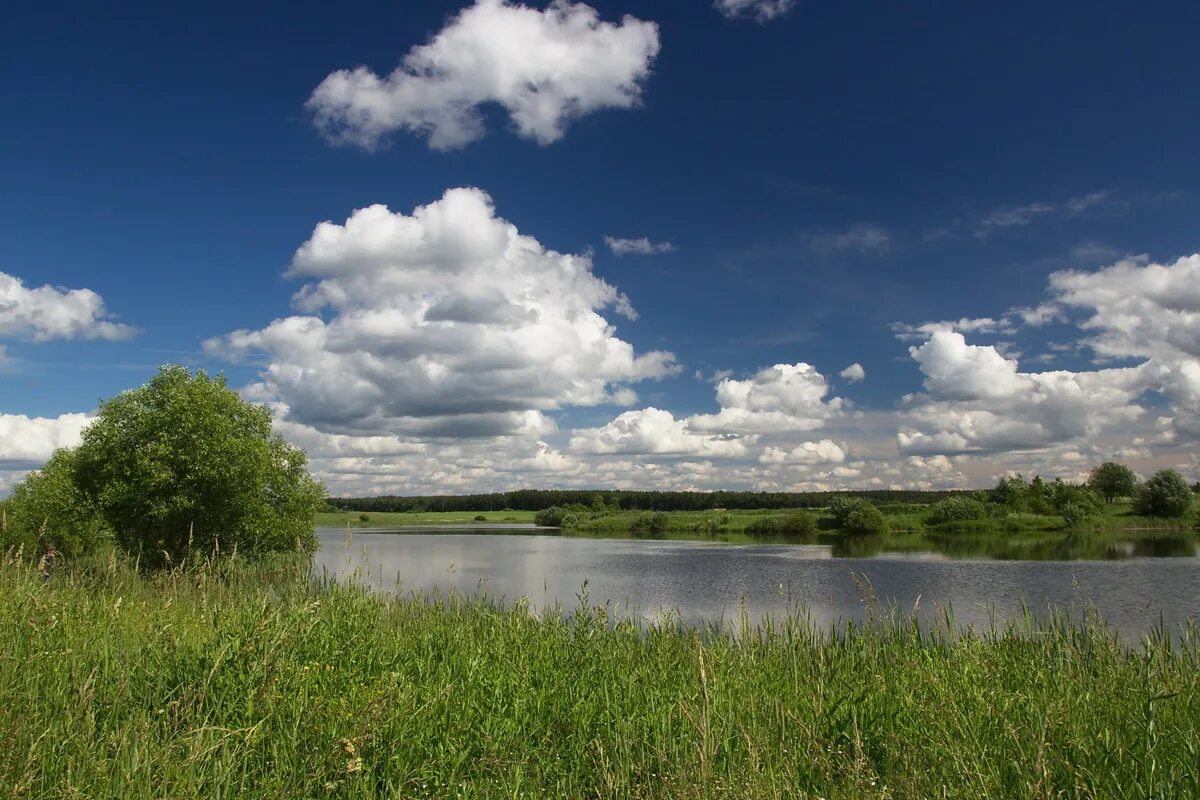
[{"x": 233, "y": 679}]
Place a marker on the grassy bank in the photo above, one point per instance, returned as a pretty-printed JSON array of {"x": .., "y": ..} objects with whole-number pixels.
[
  {"x": 392, "y": 519},
  {"x": 246, "y": 683},
  {"x": 901, "y": 518}
]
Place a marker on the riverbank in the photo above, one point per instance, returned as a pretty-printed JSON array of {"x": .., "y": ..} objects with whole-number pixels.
[
  {"x": 247, "y": 682},
  {"x": 394, "y": 519}
]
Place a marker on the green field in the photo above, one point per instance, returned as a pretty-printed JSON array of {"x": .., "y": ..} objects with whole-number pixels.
[
  {"x": 392, "y": 519},
  {"x": 243, "y": 682}
]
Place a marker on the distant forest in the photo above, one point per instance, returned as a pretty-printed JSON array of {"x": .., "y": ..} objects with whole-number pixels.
[{"x": 537, "y": 499}]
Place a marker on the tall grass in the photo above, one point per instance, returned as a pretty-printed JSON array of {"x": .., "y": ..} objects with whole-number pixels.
[{"x": 239, "y": 681}]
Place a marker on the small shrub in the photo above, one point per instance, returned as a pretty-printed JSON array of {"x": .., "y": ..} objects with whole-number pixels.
[
  {"x": 956, "y": 509},
  {"x": 480, "y": 518},
  {"x": 364, "y": 517},
  {"x": 866, "y": 518},
  {"x": 1166, "y": 494},
  {"x": 763, "y": 526},
  {"x": 799, "y": 522}
]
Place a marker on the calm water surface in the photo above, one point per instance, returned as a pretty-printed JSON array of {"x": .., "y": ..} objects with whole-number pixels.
[{"x": 1136, "y": 587}]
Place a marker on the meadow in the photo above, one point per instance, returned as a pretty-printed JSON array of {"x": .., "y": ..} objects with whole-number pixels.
[
  {"x": 251, "y": 680},
  {"x": 392, "y": 519}
]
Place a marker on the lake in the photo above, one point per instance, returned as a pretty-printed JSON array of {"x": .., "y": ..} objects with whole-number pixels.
[{"x": 1134, "y": 584}]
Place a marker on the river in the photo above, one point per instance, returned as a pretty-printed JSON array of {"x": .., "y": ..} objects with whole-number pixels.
[{"x": 1133, "y": 586}]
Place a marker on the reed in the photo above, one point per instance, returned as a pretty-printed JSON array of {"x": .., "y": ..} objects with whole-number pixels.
[{"x": 228, "y": 679}]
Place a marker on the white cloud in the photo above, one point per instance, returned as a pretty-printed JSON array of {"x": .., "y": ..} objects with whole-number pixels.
[
  {"x": 825, "y": 451},
  {"x": 978, "y": 400},
  {"x": 907, "y": 332},
  {"x": 49, "y": 312},
  {"x": 642, "y": 246},
  {"x": 865, "y": 239},
  {"x": 32, "y": 440},
  {"x": 543, "y": 67},
  {"x": 444, "y": 323},
  {"x": 1021, "y": 216},
  {"x": 1138, "y": 308},
  {"x": 1144, "y": 310},
  {"x": 854, "y": 372},
  {"x": 762, "y": 10},
  {"x": 785, "y": 397},
  {"x": 657, "y": 432}
]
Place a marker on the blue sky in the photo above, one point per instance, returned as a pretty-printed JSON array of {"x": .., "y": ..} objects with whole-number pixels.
[{"x": 824, "y": 175}]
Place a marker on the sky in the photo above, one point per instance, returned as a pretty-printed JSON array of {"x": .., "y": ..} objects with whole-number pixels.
[{"x": 761, "y": 244}]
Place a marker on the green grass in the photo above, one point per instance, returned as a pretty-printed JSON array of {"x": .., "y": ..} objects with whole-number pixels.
[
  {"x": 240, "y": 682},
  {"x": 391, "y": 519}
]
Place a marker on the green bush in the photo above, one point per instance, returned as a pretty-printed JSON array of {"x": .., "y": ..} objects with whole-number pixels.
[
  {"x": 841, "y": 507},
  {"x": 364, "y": 517},
  {"x": 480, "y": 518},
  {"x": 956, "y": 509},
  {"x": 799, "y": 522},
  {"x": 1075, "y": 504},
  {"x": 1166, "y": 494},
  {"x": 182, "y": 464},
  {"x": 866, "y": 518},
  {"x": 795, "y": 523},
  {"x": 551, "y": 517},
  {"x": 47, "y": 509},
  {"x": 650, "y": 523}
]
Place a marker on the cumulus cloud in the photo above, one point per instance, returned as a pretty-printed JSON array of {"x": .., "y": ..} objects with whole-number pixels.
[
  {"x": 825, "y": 451},
  {"x": 32, "y": 440},
  {"x": 642, "y": 246},
  {"x": 785, "y": 397},
  {"x": 447, "y": 322},
  {"x": 544, "y": 68},
  {"x": 762, "y": 10},
  {"x": 907, "y": 332},
  {"x": 854, "y": 372},
  {"x": 48, "y": 312},
  {"x": 977, "y": 400},
  {"x": 1137, "y": 308},
  {"x": 653, "y": 431}
]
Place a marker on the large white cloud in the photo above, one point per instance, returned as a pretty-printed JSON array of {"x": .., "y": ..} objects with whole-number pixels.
[
  {"x": 977, "y": 400},
  {"x": 445, "y": 322},
  {"x": 653, "y": 431},
  {"x": 543, "y": 67},
  {"x": 1137, "y": 308},
  {"x": 48, "y": 312},
  {"x": 782, "y": 398},
  {"x": 31, "y": 441}
]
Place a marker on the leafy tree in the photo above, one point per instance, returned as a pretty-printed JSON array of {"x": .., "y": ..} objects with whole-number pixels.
[
  {"x": 1164, "y": 495},
  {"x": 47, "y": 508},
  {"x": 1111, "y": 480},
  {"x": 1012, "y": 492},
  {"x": 182, "y": 464}
]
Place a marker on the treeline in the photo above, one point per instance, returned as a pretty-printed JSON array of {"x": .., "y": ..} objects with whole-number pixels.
[{"x": 537, "y": 499}]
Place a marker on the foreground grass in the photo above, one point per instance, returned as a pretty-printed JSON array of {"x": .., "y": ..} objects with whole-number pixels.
[
  {"x": 245, "y": 683},
  {"x": 392, "y": 519}
]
